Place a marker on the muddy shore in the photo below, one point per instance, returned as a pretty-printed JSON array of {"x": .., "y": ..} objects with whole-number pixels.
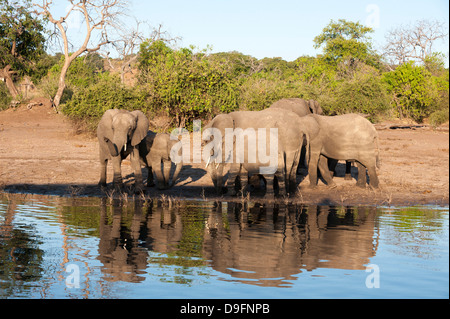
[{"x": 42, "y": 153}]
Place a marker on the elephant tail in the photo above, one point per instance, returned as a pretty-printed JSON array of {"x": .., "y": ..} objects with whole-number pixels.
[{"x": 176, "y": 173}]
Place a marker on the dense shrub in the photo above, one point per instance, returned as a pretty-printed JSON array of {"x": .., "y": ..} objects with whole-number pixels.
[
  {"x": 363, "y": 93},
  {"x": 413, "y": 90},
  {"x": 89, "y": 103},
  {"x": 5, "y": 98},
  {"x": 186, "y": 85}
]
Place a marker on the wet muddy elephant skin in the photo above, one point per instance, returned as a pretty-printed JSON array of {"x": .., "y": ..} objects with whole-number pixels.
[{"x": 119, "y": 133}]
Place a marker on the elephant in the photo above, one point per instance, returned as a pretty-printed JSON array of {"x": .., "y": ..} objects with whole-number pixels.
[
  {"x": 300, "y": 107},
  {"x": 119, "y": 133},
  {"x": 154, "y": 151},
  {"x": 290, "y": 137},
  {"x": 348, "y": 137}
]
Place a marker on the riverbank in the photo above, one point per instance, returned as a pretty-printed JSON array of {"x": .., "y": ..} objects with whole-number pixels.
[{"x": 42, "y": 153}]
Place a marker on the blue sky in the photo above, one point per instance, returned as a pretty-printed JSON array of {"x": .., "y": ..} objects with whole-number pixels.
[{"x": 282, "y": 28}]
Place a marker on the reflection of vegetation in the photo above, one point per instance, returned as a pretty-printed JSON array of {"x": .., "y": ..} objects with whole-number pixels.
[
  {"x": 86, "y": 217},
  {"x": 20, "y": 257},
  {"x": 417, "y": 219}
]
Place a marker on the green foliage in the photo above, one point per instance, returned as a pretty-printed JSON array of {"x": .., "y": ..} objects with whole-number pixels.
[
  {"x": 364, "y": 93},
  {"x": 413, "y": 90},
  {"x": 345, "y": 39},
  {"x": 439, "y": 117},
  {"x": 186, "y": 85},
  {"x": 107, "y": 92},
  {"x": 5, "y": 98},
  {"x": 21, "y": 36}
]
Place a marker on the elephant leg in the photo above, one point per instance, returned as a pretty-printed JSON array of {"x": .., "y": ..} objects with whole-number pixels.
[
  {"x": 103, "y": 165},
  {"x": 281, "y": 179},
  {"x": 373, "y": 182},
  {"x": 167, "y": 165},
  {"x": 325, "y": 172},
  {"x": 362, "y": 177},
  {"x": 156, "y": 166},
  {"x": 234, "y": 171},
  {"x": 348, "y": 171},
  {"x": 312, "y": 169},
  {"x": 136, "y": 166},
  {"x": 292, "y": 161},
  {"x": 117, "y": 179},
  {"x": 150, "y": 182}
]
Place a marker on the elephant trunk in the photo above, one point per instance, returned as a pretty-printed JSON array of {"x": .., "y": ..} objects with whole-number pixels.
[
  {"x": 116, "y": 146},
  {"x": 176, "y": 173},
  {"x": 216, "y": 173}
]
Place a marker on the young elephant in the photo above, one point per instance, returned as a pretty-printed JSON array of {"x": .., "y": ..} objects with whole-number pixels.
[
  {"x": 348, "y": 137},
  {"x": 119, "y": 133},
  {"x": 154, "y": 152}
]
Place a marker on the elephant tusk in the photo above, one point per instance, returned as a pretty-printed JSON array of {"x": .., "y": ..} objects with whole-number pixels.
[
  {"x": 125, "y": 147},
  {"x": 207, "y": 164}
]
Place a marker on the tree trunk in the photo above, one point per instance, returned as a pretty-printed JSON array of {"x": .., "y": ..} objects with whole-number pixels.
[
  {"x": 62, "y": 83},
  {"x": 6, "y": 74}
]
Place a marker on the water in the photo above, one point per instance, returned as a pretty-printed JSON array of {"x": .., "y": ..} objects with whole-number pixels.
[{"x": 97, "y": 248}]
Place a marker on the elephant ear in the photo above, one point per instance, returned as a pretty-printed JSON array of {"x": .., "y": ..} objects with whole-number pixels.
[
  {"x": 311, "y": 106},
  {"x": 141, "y": 128},
  {"x": 104, "y": 128}
]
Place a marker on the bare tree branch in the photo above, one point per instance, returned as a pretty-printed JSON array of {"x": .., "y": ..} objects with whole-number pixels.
[
  {"x": 98, "y": 15},
  {"x": 415, "y": 42}
]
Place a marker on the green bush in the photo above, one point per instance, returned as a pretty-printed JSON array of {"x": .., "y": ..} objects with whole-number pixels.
[
  {"x": 413, "y": 90},
  {"x": 5, "y": 98},
  {"x": 186, "y": 85},
  {"x": 365, "y": 93},
  {"x": 439, "y": 117},
  {"x": 88, "y": 104}
]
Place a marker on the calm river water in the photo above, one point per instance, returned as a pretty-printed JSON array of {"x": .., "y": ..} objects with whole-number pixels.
[{"x": 98, "y": 248}]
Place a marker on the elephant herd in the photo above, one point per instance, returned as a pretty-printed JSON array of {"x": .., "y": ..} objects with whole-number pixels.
[{"x": 297, "y": 132}]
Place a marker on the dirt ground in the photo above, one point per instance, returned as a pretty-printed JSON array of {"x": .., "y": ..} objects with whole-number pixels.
[{"x": 41, "y": 153}]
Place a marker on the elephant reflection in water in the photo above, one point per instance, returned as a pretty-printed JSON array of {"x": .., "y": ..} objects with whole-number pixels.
[
  {"x": 272, "y": 244},
  {"x": 119, "y": 251},
  {"x": 128, "y": 233},
  {"x": 267, "y": 245}
]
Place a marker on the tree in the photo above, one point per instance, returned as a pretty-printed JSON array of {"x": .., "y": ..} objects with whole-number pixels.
[
  {"x": 98, "y": 15},
  {"x": 413, "y": 90},
  {"x": 406, "y": 43},
  {"x": 21, "y": 41},
  {"x": 346, "y": 39}
]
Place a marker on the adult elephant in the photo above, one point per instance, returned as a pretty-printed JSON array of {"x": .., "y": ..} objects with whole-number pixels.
[
  {"x": 299, "y": 106},
  {"x": 154, "y": 151},
  {"x": 119, "y": 133},
  {"x": 290, "y": 134},
  {"x": 348, "y": 137},
  {"x": 303, "y": 107}
]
